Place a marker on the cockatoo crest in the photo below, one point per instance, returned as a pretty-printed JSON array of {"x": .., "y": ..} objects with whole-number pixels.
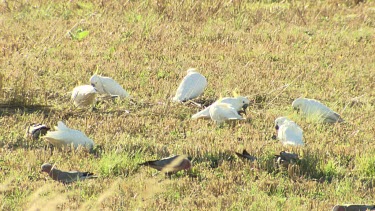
[
  {"x": 220, "y": 98},
  {"x": 191, "y": 70},
  {"x": 235, "y": 94}
]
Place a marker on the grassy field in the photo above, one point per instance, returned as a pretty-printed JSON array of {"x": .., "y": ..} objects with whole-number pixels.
[{"x": 271, "y": 51}]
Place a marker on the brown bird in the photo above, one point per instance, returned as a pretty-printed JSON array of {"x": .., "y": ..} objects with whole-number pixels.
[
  {"x": 286, "y": 158},
  {"x": 66, "y": 176},
  {"x": 170, "y": 165},
  {"x": 353, "y": 207},
  {"x": 246, "y": 155}
]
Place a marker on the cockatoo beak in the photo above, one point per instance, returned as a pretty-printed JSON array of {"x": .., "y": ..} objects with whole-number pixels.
[
  {"x": 244, "y": 107},
  {"x": 274, "y": 137}
]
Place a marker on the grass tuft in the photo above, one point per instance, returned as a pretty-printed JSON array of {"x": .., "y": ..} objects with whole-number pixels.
[{"x": 116, "y": 164}]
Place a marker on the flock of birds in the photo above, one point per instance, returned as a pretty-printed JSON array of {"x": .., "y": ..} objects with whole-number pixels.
[{"x": 192, "y": 86}]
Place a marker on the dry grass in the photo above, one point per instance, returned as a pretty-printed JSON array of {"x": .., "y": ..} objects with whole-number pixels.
[{"x": 272, "y": 51}]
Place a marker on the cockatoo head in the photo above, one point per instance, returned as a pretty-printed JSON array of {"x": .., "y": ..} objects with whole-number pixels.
[
  {"x": 279, "y": 121},
  {"x": 47, "y": 167},
  {"x": 298, "y": 103},
  {"x": 244, "y": 103},
  {"x": 191, "y": 70},
  {"x": 95, "y": 80}
]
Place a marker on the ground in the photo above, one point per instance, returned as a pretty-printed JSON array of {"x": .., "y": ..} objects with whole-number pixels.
[{"x": 270, "y": 51}]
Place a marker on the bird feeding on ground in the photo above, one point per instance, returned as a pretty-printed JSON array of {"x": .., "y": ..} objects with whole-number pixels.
[
  {"x": 288, "y": 132},
  {"x": 83, "y": 96},
  {"x": 65, "y": 137},
  {"x": 191, "y": 86},
  {"x": 170, "y": 165},
  {"x": 246, "y": 155},
  {"x": 222, "y": 112},
  {"x": 316, "y": 110},
  {"x": 106, "y": 85},
  {"x": 239, "y": 103},
  {"x": 65, "y": 176}
]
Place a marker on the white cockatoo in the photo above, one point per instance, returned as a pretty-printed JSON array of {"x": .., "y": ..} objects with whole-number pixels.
[
  {"x": 316, "y": 110},
  {"x": 106, "y": 85},
  {"x": 288, "y": 132},
  {"x": 83, "y": 96},
  {"x": 239, "y": 103},
  {"x": 221, "y": 112},
  {"x": 64, "y": 136},
  {"x": 191, "y": 86}
]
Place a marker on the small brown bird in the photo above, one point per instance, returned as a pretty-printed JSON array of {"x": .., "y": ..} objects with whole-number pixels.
[
  {"x": 246, "y": 155},
  {"x": 34, "y": 131},
  {"x": 353, "y": 207},
  {"x": 286, "y": 158},
  {"x": 170, "y": 165},
  {"x": 66, "y": 176}
]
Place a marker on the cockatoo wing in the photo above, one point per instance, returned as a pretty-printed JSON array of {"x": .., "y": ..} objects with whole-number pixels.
[
  {"x": 229, "y": 112},
  {"x": 221, "y": 112},
  {"x": 235, "y": 102},
  {"x": 111, "y": 87},
  {"x": 61, "y": 126},
  {"x": 65, "y": 136},
  {"x": 333, "y": 117},
  {"x": 191, "y": 87},
  {"x": 316, "y": 109},
  {"x": 204, "y": 114},
  {"x": 83, "y": 95},
  {"x": 290, "y": 134}
]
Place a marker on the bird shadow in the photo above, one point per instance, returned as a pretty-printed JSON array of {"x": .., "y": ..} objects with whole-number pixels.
[
  {"x": 11, "y": 108},
  {"x": 200, "y": 102}
]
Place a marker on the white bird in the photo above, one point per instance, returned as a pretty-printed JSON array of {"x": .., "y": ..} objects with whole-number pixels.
[
  {"x": 237, "y": 103},
  {"x": 288, "y": 132},
  {"x": 191, "y": 86},
  {"x": 106, "y": 85},
  {"x": 64, "y": 136},
  {"x": 83, "y": 95},
  {"x": 314, "y": 109},
  {"x": 221, "y": 112}
]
